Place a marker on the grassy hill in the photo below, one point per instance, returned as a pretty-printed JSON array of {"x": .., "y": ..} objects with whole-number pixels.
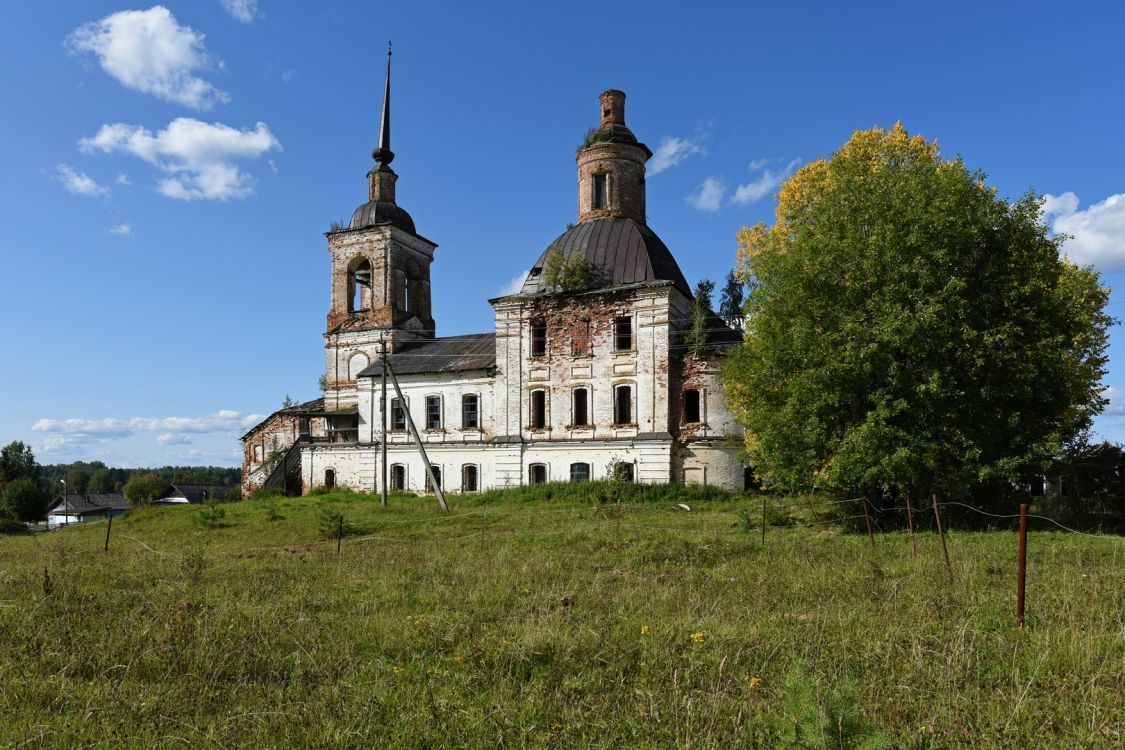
[{"x": 536, "y": 619}]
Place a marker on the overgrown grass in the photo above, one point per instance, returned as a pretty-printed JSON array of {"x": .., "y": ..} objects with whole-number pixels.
[{"x": 542, "y": 618}]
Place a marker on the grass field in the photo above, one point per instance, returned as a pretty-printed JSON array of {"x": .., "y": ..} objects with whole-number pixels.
[{"x": 548, "y": 622}]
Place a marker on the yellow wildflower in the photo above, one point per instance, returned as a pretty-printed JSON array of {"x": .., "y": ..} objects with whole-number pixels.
[
  {"x": 755, "y": 682},
  {"x": 698, "y": 637},
  {"x": 645, "y": 630}
]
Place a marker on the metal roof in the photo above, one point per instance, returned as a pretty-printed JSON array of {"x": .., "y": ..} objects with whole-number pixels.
[
  {"x": 378, "y": 213},
  {"x": 474, "y": 351},
  {"x": 86, "y": 504},
  {"x": 618, "y": 251}
]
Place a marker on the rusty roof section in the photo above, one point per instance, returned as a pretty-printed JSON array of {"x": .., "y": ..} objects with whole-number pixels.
[
  {"x": 618, "y": 252},
  {"x": 474, "y": 351}
]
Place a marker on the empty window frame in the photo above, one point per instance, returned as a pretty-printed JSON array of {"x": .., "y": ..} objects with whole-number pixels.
[
  {"x": 398, "y": 415},
  {"x": 470, "y": 411},
  {"x": 622, "y": 333},
  {"x": 600, "y": 195},
  {"x": 580, "y": 472},
  {"x": 437, "y": 476},
  {"x": 398, "y": 478},
  {"x": 537, "y": 474},
  {"x": 470, "y": 478},
  {"x": 580, "y": 410},
  {"x": 538, "y": 338},
  {"x": 623, "y": 405},
  {"x": 623, "y": 471},
  {"x": 433, "y": 412},
  {"x": 329, "y": 479},
  {"x": 359, "y": 295},
  {"x": 691, "y": 406},
  {"x": 258, "y": 453},
  {"x": 538, "y": 410}
]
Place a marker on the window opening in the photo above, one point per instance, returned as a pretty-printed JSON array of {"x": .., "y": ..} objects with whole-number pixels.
[
  {"x": 437, "y": 476},
  {"x": 538, "y": 338},
  {"x": 329, "y": 479},
  {"x": 398, "y": 478},
  {"x": 433, "y": 412},
  {"x": 469, "y": 478},
  {"x": 538, "y": 410},
  {"x": 359, "y": 298},
  {"x": 624, "y": 472},
  {"x": 623, "y": 333},
  {"x": 470, "y": 411},
  {"x": 691, "y": 406},
  {"x": 580, "y": 472},
  {"x": 623, "y": 405},
  {"x": 581, "y": 410},
  {"x": 398, "y": 415},
  {"x": 537, "y": 474},
  {"x": 600, "y": 191}
]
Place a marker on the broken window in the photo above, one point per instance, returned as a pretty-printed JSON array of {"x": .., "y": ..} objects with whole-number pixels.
[
  {"x": 581, "y": 416},
  {"x": 600, "y": 197},
  {"x": 623, "y": 405},
  {"x": 470, "y": 411},
  {"x": 538, "y": 410},
  {"x": 538, "y": 338},
  {"x": 258, "y": 453},
  {"x": 433, "y": 412},
  {"x": 398, "y": 415},
  {"x": 469, "y": 478},
  {"x": 623, "y": 471},
  {"x": 623, "y": 333},
  {"x": 437, "y": 476},
  {"x": 329, "y": 479},
  {"x": 398, "y": 478},
  {"x": 537, "y": 474},
  {"x": 691, "y": 406},
  {"x": 580, "y": 472}
]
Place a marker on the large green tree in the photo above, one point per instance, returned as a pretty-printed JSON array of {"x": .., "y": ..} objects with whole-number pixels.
[
  {"x": 144, "y": 487},
  {"x": 24, "y": 499},
  {"x": 908, "y": 330}
]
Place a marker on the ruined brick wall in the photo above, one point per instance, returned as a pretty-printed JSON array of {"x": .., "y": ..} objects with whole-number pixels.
[
  {"x": 274, "y": 436},
  {"x": 624, "y": 167}
]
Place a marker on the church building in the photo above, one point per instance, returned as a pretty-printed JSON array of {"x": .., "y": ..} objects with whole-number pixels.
[{"x": 587, "y": 371}]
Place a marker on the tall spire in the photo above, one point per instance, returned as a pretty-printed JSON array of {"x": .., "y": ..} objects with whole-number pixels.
[{"x": 383, "y": 153}]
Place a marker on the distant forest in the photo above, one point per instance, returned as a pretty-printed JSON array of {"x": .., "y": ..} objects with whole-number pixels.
[{"x": 78, "y": 476}]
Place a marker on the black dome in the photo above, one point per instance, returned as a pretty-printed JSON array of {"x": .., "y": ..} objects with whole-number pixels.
[
  {"x": 618, "y": 251},
  {"x": 375, "y": 213}
]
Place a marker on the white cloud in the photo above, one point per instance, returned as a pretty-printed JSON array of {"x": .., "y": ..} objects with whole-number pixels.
[
  {"x": 64, "y": 433},
  {"x": 709, "y": 196},
  {"x": 122, "y": 230},
  {"x": 123, "y": 180},
  {"x": 150, "y": 52},
  {"x": 671, "y": 152},
  {"x": 79, "y": 183},
  {"x": 197, "y": 157},
  {"x": 1096, "y": 235},
  {"x": 241, "y": 10},
  {"x": 514, "y": 286},
  {"x": 764, "y": 184},
  {"x": 171, "y": 438}
]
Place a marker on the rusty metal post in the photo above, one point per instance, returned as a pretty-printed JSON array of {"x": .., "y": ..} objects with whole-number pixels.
[
  {"x": 867, "y": 515},
  {"x": 110, "y": 526},
  {"x": 941, "y": 533},
  {"x": 1022, "y": 564},
  {"x": 910, "y": 523}
]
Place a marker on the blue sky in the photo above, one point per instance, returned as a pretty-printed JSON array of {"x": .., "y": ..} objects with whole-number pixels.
[{"x": 170, "y": 170}]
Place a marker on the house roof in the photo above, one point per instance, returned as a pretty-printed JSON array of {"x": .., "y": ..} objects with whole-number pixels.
[
  {"x": 197, "y": 493},
  {"x": 72, "y": 504},
  {"x": 474, "y": 351},
  {"x": 618, "y": 251},
  {"x": 316, "y": 406}
]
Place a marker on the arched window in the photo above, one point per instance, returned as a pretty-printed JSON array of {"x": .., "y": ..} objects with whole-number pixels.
[
  {"x": 437, "y": 476},
  {"x": 398, "y": 478},
  {"x": 329, "y": 478},
  {"x": 537, "y": 474},
  {"x": 580, "y": 409},
  {"x": 356, "y": 363},
  {"x": 359, "y": 285},
  {"x": 580, "y": 472},
  {"x": 623, "y": 405},
  {"x": 469, "y": 478},
  {"x": 538, "y": 409}
]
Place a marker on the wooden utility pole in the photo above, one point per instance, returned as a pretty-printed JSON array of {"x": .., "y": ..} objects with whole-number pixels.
[
  {"x": 941, "y": 533},
  {"x": 867, "y": 515},
  {"x": 910, "y": 524},
  {"x": 110, "y": 526},
  {"x": 1022, "y": 565},
  {"x": 417, "y": 438}
]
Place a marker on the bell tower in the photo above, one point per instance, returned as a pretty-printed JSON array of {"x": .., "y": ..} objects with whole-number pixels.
[
  {"x": 611, "y": 166},
  {"x": 380, "y": 281}
]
